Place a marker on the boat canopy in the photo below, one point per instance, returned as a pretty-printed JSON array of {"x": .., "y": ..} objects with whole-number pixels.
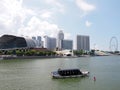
[{"x": 69, "y": 72}]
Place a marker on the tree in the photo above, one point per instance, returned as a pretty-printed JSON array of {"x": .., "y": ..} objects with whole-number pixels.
[
  {"x": 81, "y": 52},
  {"x": 19, "y": 53}
]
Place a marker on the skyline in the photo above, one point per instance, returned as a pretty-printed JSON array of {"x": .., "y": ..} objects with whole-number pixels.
[{"x": 97, "y": 19}]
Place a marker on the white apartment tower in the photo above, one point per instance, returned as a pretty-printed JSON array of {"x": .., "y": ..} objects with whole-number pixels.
[
  {"x": 83, "y": 42},
  {"x": 60, "y": 37}
]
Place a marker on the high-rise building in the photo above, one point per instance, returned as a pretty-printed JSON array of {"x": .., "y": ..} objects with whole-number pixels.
[
  {"x": 39, "y": 38},
  {"x": 83, "y": 42},
  {"x": 66, "y": 44},
  {"x": 59, "y": 38},
  {"x": 39, "y": 42},
  {"x": 34, "y": 38},
  {"x": 50, "y": 43}
]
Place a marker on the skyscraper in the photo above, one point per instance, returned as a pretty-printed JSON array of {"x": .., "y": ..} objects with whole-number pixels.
[
  {"x": 67, "y": 44},
  {"x": 50, "y": 43},
  {"x": 59, "y": 38},
  {"x": 83, "y": 42},
  {"x": 39, "y": 42},
  {"x": 35, "y": 40}
]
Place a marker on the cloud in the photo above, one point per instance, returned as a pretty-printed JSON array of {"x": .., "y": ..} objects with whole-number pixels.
[
  {"x": 88, "y": 24},
  {"x": 37, "y": 27},
  {"x": 12, "y": 15},
  {"x": 85, "y": 6},
  {"x": 45, "y": 14},
  {"x": 18, "y": 20},
  {"x": 56, "y": 4}
]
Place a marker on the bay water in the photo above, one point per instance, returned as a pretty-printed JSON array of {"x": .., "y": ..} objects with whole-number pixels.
[{"x": 35, "y": 74}]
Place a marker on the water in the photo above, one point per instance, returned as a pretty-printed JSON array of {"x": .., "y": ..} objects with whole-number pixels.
[{"x": 36, "y": 74}]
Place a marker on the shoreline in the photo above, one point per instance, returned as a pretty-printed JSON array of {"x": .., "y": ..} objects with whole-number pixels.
[
  {"x": 9, "y": 57},
  {"x": 28, "y": 57}
]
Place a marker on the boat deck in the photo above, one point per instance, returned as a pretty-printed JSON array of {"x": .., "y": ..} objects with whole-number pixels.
[{"x": 69, "y": 73}]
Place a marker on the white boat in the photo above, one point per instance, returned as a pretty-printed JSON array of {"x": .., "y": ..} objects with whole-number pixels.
[{"x": 69, "y": 73}]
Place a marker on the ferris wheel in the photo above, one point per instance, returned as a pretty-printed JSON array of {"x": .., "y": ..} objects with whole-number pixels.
[{"x": 113, "y": 44}]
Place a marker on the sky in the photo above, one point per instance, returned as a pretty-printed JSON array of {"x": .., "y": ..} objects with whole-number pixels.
[{"x": 99, "y": 19}]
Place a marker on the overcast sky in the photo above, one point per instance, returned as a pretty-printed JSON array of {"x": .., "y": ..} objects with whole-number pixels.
[{"x": 100, "y": 19}]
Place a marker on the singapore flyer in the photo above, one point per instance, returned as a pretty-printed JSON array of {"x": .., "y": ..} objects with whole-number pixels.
[{"x": 113, "y": 44}]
